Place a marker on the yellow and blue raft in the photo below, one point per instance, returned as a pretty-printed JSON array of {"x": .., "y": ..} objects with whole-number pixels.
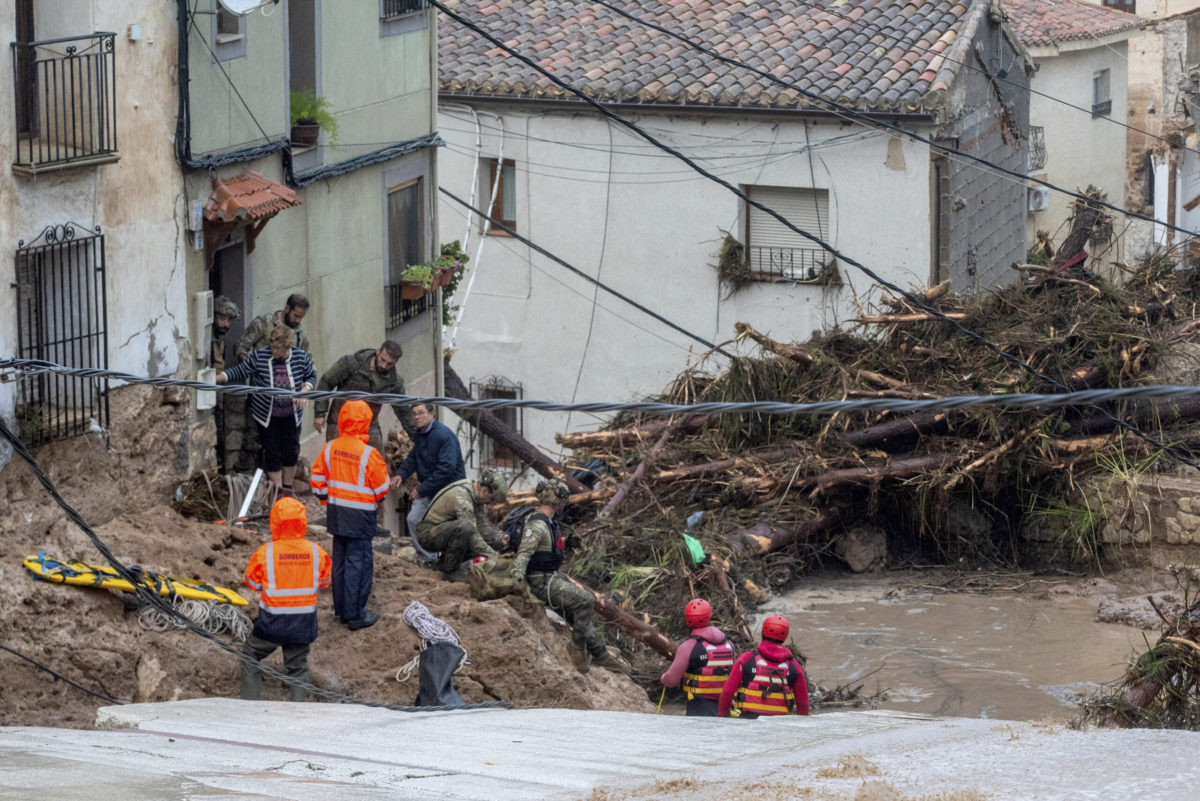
[{"x": 47, "y": 569}]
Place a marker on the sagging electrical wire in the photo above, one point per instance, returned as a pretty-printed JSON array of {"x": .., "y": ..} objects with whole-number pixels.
[{"x": 106, "y": 698}]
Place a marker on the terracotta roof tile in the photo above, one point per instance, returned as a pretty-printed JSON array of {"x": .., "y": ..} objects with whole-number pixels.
[
  {"x": 248, "y": 196},
  {"x": 871, "y": 53},
  {"x": 1046, "y": 22}
]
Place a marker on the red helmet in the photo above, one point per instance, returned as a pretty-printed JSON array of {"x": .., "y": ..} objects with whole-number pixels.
[
  {"x": 775, "y": 627},
  {"x": 697, "y": 613}
]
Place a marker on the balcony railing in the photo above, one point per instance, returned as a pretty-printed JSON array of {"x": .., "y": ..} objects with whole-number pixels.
[
  {"x": 397, "y": 8},
  {"x": 65, "y": 91},
  {"x": 400, "y": 310},
  {"x": 1037, "y": 147},
  {"x": 802, "y": 265},
  {"x": 1102, "y": 109}
]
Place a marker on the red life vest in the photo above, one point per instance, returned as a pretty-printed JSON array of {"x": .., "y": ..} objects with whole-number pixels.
[
  {"x": 766, "y": 687},
  {"x": 707, "y": 668}
]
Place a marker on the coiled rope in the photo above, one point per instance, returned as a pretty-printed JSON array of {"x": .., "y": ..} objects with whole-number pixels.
[
  {"x": 431, "y": 629},
  {"x": 210, "y": 616}
]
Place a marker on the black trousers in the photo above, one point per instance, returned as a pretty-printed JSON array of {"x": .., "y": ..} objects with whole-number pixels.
[{"x": 353, "y": 575}]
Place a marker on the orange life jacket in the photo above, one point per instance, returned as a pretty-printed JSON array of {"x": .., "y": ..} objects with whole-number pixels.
[
  {"x": 766, "y": 687},
  {"x": 707, "y": 668}
]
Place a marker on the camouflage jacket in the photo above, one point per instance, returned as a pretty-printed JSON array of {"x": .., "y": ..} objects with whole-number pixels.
[
  {"x": 458, "y": 502},
  {"x": 258, "y": 331},
  {"x": 536, "y": 537},
  {"x": 354, "y": 372}
]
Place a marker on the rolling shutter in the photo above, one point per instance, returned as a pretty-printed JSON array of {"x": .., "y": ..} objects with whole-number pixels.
[{"x": 774, "y": 248}]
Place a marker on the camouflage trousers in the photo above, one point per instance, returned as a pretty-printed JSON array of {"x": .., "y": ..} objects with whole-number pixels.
[
  {"x": 575, "y": 604},
  {"x": 456, "y": 541}
]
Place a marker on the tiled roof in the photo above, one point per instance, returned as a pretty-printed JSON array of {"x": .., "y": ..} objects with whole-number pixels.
[
  {"x": 248, "y": 196},
  {"x": 1046, "y": 22},
  {"x": 896, "y": 55}
]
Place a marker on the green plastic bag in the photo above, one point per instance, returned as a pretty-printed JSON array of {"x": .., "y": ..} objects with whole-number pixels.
[{"x": 694, "y": 548}]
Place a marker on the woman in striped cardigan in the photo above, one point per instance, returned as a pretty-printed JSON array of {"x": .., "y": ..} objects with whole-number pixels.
[{"x": 278, "y": 419}]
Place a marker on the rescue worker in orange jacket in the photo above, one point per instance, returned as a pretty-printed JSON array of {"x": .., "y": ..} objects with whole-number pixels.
[
  {"x": 350, "y": 479},
  {"x": 702, "y": 661},
  {"x": 287, "y": 572},
  {"x": 766, "y": 680}
]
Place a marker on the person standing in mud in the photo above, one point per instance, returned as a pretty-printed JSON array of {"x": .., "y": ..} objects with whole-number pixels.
[
  {"x": 767, "y": 680},
  {"x": 539, "y": 556},
  {"x": 287, "y": 572},
  {"x": 702, "y": 661}
]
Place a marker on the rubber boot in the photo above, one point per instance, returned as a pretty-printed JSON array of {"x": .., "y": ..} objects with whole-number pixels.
[{"x": 612, "y": 661}]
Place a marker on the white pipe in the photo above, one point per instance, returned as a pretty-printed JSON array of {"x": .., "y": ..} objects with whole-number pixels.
[{"x": 258, "y": 474}]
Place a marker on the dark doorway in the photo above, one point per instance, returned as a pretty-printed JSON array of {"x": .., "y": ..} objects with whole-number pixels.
[
  {"x": 228, "y": 277},
  {"x": 26, "y": 59}
]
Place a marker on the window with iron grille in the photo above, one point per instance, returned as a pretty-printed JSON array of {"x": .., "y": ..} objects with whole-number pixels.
[
  {"x": 390, "y": 9},
  {"x": 1037, "y": 147},
  {"x": 775, "y": 252},
  {"x": 1101, "y": 99},
  {"x": 62, "y": 318},
  {"x": 489, "y": 452},
  {"x": 404, "y": 247}
]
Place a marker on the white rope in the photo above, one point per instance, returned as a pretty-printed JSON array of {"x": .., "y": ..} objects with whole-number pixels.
[
  {"x": 431, "y": 629},
  {"x": 210, "y": 616}
]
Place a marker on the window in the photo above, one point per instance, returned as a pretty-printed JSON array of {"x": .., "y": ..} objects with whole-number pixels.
[
  {"x": 391, "y": 9},
  {"x": 1128, "y": 6},
  {"x": 504, "y": 208},
  {"x": 490, "y": 452},
  {"x": 61, "y": 317},
  {"x": 1101, "y": 99},
  {"x": 404, "y": 246},
  {"x": 228, "y": 34},
  {"x": 776, "y": 252},
  {"x": 402, "y": 16}
]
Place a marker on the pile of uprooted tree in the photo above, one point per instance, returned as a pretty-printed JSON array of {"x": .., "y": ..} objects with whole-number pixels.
[{"x": 782, "y": 493}]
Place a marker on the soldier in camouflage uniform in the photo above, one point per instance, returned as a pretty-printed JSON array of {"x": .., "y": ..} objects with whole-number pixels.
[
  {"x": 365, "y": 371},
  {"x": 256, "y": 336},
  {"x": 457, "y": 525},
  {"x": 538, "y": 558},
  {"x": 225, "y": 311}
]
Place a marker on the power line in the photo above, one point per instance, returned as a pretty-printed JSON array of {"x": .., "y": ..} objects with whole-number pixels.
[
  {"x": 913, "y": 299},
  {"x": 182, "y": 621},
  {"x": 846, "y": 112},
  {"x": 61, "y": 677},
  {"x": 1015, "y": 400}
]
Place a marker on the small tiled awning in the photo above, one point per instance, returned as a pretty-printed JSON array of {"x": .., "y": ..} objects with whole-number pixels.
[{"x": 248, "y": 199}]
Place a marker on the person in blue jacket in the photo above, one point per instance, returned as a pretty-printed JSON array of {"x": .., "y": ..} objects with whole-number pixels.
[{"x": 437, "y": 461}]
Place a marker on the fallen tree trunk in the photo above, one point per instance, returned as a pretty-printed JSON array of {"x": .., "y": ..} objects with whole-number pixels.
[
  {"x": 591, "y": 440},
  {"x": 799, "y": 356},
  {"x": 1086, "y": 215},
  {"x": 898, "y": 433},
  {"x": 900, "y": 468},
  {"x": 916, "y": 317},
  {"x": 619, "y": 495},
  {"x": 636, "y": 626},
  {"x": 498, "y": 430},
  {"x": 762, "y": 539},
  {"x": 1160, "y": 413}
]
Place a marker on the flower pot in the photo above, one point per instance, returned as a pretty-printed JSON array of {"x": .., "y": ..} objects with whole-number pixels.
[
  {"x": 412, "y": 290},
  {"x": 442, "y": 278},
  {"x": 305, "y": 133}
]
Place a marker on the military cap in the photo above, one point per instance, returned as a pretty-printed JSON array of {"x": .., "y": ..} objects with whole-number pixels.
[
  {"x": 495, "y": 482},
  {"x": 552, "y": 492},
  {"x": 226, "y": 307}
]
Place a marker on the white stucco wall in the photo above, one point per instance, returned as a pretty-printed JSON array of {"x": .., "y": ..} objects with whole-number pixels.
[
  {"x": 1080, "y": 149},
  {"x": 649, "y": 227},
  {"x": 136, "y": 201}
]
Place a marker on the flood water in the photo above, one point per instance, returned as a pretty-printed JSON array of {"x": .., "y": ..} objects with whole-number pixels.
[{"x": 1001, "y": 656}]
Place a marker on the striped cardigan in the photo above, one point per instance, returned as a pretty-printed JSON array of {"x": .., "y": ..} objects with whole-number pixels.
[{"x": 257, "y": 371}]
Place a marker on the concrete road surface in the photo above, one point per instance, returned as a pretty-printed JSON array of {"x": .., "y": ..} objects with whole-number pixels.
[{"x": 212, "y": 749}]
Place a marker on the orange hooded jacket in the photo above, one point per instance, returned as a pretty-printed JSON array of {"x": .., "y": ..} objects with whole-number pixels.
[
  {"x": 350, "y": 477},
  {"x": 287, "y": 572}
]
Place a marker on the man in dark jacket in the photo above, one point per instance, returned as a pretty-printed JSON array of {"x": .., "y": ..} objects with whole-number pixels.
[
  {"x": 368, "y": 370},
  {"x": 436, "y": 459}
]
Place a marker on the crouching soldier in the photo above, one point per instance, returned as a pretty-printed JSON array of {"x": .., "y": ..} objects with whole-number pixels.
[
  {"x": 766, "y": 680},
  {"x": 287, "y": 571},
  {"x": 539, "y": 556},
  {"x": 702, "y": 661},
  {"x": 456, "y": 524}
]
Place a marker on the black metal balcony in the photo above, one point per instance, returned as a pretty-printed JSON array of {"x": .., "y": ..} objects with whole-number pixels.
[
  {"x": 1037, "y": 148},
  {"x": 1102, "y": 109},
  {"x": 398, "y": 8},
  {"x": 400, "y": 309},
  {"x": 65, "y": 91},
  {"x": 802, "y": 265}
]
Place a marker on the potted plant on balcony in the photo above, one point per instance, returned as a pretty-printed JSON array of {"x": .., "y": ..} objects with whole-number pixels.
[
  {"x": 310, "y": 115},
  {"x": 416, "y": 280}
]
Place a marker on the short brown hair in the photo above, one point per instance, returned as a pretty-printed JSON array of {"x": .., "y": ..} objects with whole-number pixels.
[
  {"x": 281, "y": 335},
  {"x": 393, "y": 349},
  {"x": 296, "y": 301}
]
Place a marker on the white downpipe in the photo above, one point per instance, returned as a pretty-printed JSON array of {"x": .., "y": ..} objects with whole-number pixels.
[
  {"x": 258, "y": 474},
  {"x": 487, "y": 223},
  {"x": 466, "y": 238}
]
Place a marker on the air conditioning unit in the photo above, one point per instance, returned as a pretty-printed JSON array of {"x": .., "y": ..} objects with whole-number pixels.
[
  {"x": 202, "y": 320},
  {"x": 1039, "y": 198}
]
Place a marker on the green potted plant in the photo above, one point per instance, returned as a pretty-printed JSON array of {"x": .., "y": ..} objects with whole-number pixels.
[
  {"x": 310, "y": 115},
  {"x": 416, "y": 280}
]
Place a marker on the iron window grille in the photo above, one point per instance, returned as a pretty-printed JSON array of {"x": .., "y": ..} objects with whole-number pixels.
[
  {"x": 491, "y": 453},
  {"x": 801, "y": 265},
  {"x": 390, "y": 9},
  {"x": 1037, "y": 147},
  {"x": 1102, "y": 109},
  {"x": 65, "y": 92},
  {"x": 400, "y": 309},
  {"x": 62, "y": 318}
]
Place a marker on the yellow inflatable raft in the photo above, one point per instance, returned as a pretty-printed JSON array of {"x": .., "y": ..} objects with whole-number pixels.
[{"x": 47, "y": 569}]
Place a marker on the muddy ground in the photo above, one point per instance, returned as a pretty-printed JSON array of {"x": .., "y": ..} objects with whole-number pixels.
[{"x": 123, "y": 488}]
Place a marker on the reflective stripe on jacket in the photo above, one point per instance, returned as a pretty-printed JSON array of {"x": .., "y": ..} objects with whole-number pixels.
[
  {"x": 350, "y": 477},
  {"x": 768, "y": 691},
  {"x": 287, "y": 572},
  {"x": 710, "y": 663}
]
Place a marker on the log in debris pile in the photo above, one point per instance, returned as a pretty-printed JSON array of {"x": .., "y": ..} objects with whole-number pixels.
[{"x": 769, "y": 497}]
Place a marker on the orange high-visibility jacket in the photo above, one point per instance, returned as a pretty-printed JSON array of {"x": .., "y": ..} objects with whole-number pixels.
[
  {"x": 287, "y": 572},
  {"x": 350, "y": 477}
]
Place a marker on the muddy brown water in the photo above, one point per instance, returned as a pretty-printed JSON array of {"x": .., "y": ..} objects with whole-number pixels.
[{"x": 1002, "y": 656}]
